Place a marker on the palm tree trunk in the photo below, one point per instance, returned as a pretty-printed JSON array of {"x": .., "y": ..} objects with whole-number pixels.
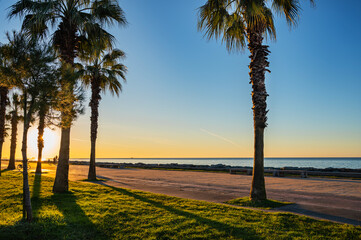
[
  {"x": 94, "y": 105},
  {"x": 27, "y": 210},
  {"x": 61, "y": 183},
  {"x": 14, "y": 132},
  {"x": 258, "y": 67},
  {"x": 3, "y": 100},
  {"x": 40, "y": 139},
  {"x": 67, "y": 55}
]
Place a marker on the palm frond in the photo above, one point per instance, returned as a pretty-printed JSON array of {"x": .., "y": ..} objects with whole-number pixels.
[
  {"x": 234, "y": 33},
  {"x": 108, "y": 12},
  {"x": 111, "y": 58},
  {"x": 231, "y": 19},
  {"x": 289, "y": 8},
  {"x": 20, "y": 8},
  {"x": 212, "y": 18},
  {"x": 97, "y": 36},
  {"x": 220, "y": 19}
]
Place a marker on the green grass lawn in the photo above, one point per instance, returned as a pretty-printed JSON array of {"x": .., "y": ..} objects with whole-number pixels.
[{"x": 93, "y": 211}]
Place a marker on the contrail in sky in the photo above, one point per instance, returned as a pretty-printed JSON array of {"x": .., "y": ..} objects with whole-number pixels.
[{"x": 220, "y": 137}]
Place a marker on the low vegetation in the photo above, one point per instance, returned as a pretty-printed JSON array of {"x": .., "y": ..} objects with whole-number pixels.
[{"x": 97, "y": 211}]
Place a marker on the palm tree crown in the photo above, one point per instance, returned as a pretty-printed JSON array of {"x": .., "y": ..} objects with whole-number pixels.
[
  {"x": 77, "y": 21},
  {"x": 105, "y": 70},
  {"x": 232, "y": 19}
]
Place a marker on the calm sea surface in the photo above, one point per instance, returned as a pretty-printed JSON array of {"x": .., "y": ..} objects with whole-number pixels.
[{"x": 353, "y": 163}]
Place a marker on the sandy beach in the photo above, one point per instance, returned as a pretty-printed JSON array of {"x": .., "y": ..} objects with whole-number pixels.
[{"x": 332, "y": 199}]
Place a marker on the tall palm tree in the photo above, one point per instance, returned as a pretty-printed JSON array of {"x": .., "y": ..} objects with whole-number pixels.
[
  {"x": 43, "y": 108},
  {"x": 28, "y": 106},
  {"x": 14, "y": 119},
  {"x": 45, "y": 112},
  {"x": 101, "y": 73},
  {"x": 4, "y": 90},
  {"x": 238, "y": 22},
  {"x": 7, "y": 81},
  {"x": 46, "y": 100},
  {"x": 77, "y": 22}
]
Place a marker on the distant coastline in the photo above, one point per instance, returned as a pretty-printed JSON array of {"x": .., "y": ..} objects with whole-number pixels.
[
  {"x": 206, "y": 158},
  {"x": 320, "y": 163},
  {"x": 297, "y": 162}
]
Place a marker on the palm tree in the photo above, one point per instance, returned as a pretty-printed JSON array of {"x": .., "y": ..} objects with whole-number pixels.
[
  {"x": 46, "y": 100},
  {"x": 101, "y": 73},
  {"x": 4, "y": 89},
  {"x": 43, "y": 108},
  {"x": 45, "y": 111},
  {"x": 238, "y": 22},
  {"x": 7, "y": 81},
  {"x": 77, "y": 22},
  {"x": 3, "y": 100},
  {"x": 14, "y": 119},
  {"x": 28, "y": 107}
]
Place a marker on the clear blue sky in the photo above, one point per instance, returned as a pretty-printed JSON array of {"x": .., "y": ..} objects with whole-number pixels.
[{"x": 188, "y": 97}]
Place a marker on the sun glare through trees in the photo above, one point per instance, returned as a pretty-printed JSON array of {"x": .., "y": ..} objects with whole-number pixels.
[{"x": 51, "y": 144}]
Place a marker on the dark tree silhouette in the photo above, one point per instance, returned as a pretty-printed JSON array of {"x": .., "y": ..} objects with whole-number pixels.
[
  {"x": 6, "y": 83},
  {"x": 14, "y": 119},
  {"x": 3, "y": 101}
]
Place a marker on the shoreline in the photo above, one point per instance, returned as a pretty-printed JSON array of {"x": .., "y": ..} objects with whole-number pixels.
[
  {"x": 276, "y": 172},
  {"x": 304, "y": 172}
]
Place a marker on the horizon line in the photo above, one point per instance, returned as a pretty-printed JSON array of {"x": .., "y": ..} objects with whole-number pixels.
[{"x": 197, "y": 157}]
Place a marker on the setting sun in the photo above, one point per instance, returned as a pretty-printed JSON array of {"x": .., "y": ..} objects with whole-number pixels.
[{"x": 51, "y": 143}]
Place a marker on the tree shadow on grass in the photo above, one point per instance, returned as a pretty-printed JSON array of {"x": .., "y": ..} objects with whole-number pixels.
[
  {"x": 237, "y": 232},
  {"x": 78, "y": 224},
  {"x": 36, "y": 201}
]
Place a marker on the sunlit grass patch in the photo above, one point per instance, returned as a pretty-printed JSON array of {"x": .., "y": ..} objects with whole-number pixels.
[
  {"x": 265, "y": 204},
  {"x": 93, "y": 211}
]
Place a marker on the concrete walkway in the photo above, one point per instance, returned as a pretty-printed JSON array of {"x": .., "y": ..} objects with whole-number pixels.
[{"x": 331, "y": 199}]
